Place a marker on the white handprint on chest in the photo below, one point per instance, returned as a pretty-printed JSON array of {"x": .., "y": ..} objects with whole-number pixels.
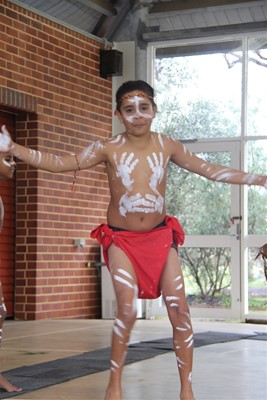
[{"x": 137, "y": 203}]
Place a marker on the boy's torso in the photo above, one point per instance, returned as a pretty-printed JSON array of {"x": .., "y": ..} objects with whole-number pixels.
[{"x": 137, "y": 178}]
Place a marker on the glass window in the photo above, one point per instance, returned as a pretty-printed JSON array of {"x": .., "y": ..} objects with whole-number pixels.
[
  {"x": 198, "y": 90},
  {"x": 257, "y": 197},
  {"x": 257, "y": 87}
]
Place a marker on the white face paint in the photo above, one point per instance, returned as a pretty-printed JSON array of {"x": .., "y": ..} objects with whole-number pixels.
[{"x": 138, "y": 108}]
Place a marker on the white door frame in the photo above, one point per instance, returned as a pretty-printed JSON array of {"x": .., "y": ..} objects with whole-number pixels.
[{"x": 156, "y": 308}]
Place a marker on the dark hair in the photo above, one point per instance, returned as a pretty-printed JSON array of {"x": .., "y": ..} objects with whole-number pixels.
[{"x": 130, "y": 86}]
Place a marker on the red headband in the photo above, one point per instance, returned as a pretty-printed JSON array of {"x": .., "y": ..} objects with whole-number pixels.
[{"x": 133, "y": 94}]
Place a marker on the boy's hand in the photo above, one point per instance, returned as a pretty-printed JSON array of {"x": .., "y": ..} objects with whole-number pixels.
[
  {"x": 5, "y": 140},
  {"x": 265, "y": 182}
]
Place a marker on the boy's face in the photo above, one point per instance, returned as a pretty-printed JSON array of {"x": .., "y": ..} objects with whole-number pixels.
[
  {"x": 136, "y": 112},
  {"x": 7, "y": 166}
]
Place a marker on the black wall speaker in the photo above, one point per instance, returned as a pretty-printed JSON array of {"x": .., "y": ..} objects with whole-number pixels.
[{"x": 110, "y": 63}]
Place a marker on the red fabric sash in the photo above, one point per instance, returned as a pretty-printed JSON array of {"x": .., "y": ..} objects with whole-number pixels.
[{"x": 147, "y": 251}]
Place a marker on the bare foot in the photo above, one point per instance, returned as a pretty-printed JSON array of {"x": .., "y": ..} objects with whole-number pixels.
[
  {"x": 113, "y": 394},
  {"x": 7, "y": 386},
  {"x": 187, "y": 395}
]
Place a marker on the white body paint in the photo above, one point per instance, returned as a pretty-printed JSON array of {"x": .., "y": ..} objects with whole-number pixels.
[
  {"x": 136, "y": 203},
  {"x": 89, "y": 152},
  {"x": 124, "y": 169}
]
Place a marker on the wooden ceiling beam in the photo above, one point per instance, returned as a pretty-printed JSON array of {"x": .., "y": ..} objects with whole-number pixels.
[{"x": 102, "y": 6}]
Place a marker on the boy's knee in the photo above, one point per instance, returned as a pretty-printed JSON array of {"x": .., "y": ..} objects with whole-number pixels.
[{"x": 127, "y": 313}]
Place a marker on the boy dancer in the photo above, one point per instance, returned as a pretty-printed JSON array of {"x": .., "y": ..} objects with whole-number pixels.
[{"x": 139, "y": 240}]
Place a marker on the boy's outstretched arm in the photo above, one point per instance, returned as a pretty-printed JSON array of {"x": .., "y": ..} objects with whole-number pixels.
[
  {"x": 89, "y": 157},
  {"x": 185, "y": 159}
]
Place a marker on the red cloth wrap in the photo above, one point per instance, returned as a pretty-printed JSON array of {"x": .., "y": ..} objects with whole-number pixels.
[{"x": 147, "y": 251}]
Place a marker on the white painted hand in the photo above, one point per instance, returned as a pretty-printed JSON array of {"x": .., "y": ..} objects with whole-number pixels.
[
  {"x": 5, "y": 140},
  {"x": 137, "y": 203},
  {"x": 157, "y": 170},
  {"x": 125, "y": 167}
]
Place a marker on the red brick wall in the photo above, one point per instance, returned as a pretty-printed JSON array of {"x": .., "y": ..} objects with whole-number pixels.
[{"x": 50, "y": 79}]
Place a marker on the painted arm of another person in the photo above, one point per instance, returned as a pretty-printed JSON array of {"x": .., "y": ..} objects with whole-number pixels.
[
  {"x": 86, "y": 158},
  {"x": 7, "y": 169},
  {"x": 1, "y": 214},
  {"x": 185, "y": 159}
]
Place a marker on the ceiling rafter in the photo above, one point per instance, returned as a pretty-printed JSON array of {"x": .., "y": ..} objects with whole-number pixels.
[{"x": 102, "y": 6}]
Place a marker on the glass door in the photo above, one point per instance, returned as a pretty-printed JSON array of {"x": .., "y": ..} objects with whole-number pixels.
[
  {"x": 210, "y": 215},
  {"x": 211, "y": 253}
]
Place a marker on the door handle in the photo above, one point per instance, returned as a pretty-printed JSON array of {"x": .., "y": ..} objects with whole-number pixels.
[{"x": 235, "y": 221}]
